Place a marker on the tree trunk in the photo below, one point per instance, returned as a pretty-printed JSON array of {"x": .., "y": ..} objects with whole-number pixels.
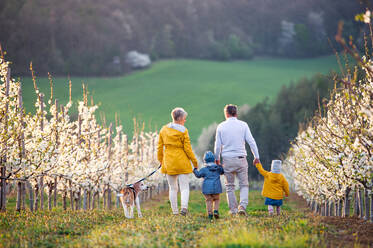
[
  {"x": 336, "y": 209},
  {"x": 347, "y": 203},
  {"x": 319, "y": 209},
  {"x": 71, "y": 196},
  {"x": 2, "y": 189},
  {"x": 93, "y": 200},
  {"x": 104, "y": 198},
  {"x": 64, "y": 203},
  {"x": 89, "y": 199},
  {"x": 117, "y": 201},
  {"x": 331, "y": 208},
  {"x": 109, "y": 198},
  {"x": 312, "y": 205},
  {"x": 80, "y": 199},
  {"x": 55, "y": 193},
  {"x": 327, "y": 208},
  {"x": 76, "y": 203},
  {"x": 367, "y": 210},
  {"x": 36, "y": 202},
  {"x": 50, "y": 192},
  {"x": 315, "y": 208},
  {"x": 31, "y": 196},
  {"x": 19, "y": 196},
  {"x": 85, "y": 199},
  {"x": 361, "y": 203},
  {"x": 98, "y": 200},
  {"x": 371, "y": 208},
  {"x": 23, "y": 195},
  {"x": 41, "y": 193}
]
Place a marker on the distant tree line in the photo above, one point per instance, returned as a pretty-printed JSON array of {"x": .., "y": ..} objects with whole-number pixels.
[{"x": 91, "y": 37}]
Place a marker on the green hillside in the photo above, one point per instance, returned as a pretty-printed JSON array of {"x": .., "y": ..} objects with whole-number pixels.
[{"x": 201, "y": 87}]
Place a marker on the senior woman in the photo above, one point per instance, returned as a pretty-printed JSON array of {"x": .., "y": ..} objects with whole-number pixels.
[{"x": 174, "y": 154}]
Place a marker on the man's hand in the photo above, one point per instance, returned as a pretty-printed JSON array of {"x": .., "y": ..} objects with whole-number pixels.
[
  {"x": 256, "y": 161},
  {"x": 217, "y": 162}
]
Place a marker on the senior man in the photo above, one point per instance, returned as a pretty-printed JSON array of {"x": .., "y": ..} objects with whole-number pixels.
[{"x": 231, "y": 136}]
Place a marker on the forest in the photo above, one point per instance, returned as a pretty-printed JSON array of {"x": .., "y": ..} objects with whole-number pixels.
[{"x": 89, "y": 37}]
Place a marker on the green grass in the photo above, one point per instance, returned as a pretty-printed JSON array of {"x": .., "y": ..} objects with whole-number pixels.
[
  {"x": 159, "y": 228},
  {"x": 203, "y": 88}
]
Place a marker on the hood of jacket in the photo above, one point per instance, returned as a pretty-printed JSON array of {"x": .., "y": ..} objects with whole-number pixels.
[{"x": 212, "y": 166}]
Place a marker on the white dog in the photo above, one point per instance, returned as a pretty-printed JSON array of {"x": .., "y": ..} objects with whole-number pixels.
[{"x": 129, "y": 196}]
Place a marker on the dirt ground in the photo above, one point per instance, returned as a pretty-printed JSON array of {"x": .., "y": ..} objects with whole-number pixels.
[
  {"x": 348, "y": 232},
  {"x": 341, "y": 232}
]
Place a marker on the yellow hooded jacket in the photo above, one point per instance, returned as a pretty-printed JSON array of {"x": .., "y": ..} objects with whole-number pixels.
[
  {"x": 274, "y": 185},
  {"x": 175, "y": 151}
]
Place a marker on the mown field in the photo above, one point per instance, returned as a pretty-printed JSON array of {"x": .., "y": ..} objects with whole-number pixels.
[{"x": 201, "y": 87}]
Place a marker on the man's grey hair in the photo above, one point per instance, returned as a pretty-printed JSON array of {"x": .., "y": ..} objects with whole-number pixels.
[{"x": 178, "y": 114}]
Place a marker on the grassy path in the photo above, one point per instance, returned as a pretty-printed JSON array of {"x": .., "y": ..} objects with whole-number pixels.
[
  {"x": 296, "y": 227},
  {"x": 159, "y": 228}
]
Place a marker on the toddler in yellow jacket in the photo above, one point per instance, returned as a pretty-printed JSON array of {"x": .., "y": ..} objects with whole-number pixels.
[{"x": 274, "y": 187}]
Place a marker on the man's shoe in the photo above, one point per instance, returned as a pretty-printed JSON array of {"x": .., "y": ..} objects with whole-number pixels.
[
  {"x": 242, "y": 211},
  {"x": 216, "y": 214},
  {"x": 210, "y": 216},
  {"x": 184, "y": 211}
]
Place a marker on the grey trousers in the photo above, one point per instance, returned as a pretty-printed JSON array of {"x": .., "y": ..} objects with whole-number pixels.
[{"x": 236, "y": 167}]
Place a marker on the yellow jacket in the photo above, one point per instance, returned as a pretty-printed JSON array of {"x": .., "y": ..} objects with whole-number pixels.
[
  {"x": 274, "y": 185},
  {"x": 175, "y": 151}
]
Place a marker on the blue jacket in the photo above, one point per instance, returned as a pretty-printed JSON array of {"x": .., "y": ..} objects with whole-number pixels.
[{"x": 211, "y": 174}]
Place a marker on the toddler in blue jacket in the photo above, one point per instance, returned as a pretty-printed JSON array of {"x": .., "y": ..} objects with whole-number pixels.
[{"x": 211, "y": 186}]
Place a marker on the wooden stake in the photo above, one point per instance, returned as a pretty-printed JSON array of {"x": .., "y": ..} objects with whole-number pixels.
[{"x": 70, "y": 89}]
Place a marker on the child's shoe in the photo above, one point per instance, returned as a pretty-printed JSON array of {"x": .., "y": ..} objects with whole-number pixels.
[
  {"x": 216, "y": 214},
  {"x": 210, "y": 216}
]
